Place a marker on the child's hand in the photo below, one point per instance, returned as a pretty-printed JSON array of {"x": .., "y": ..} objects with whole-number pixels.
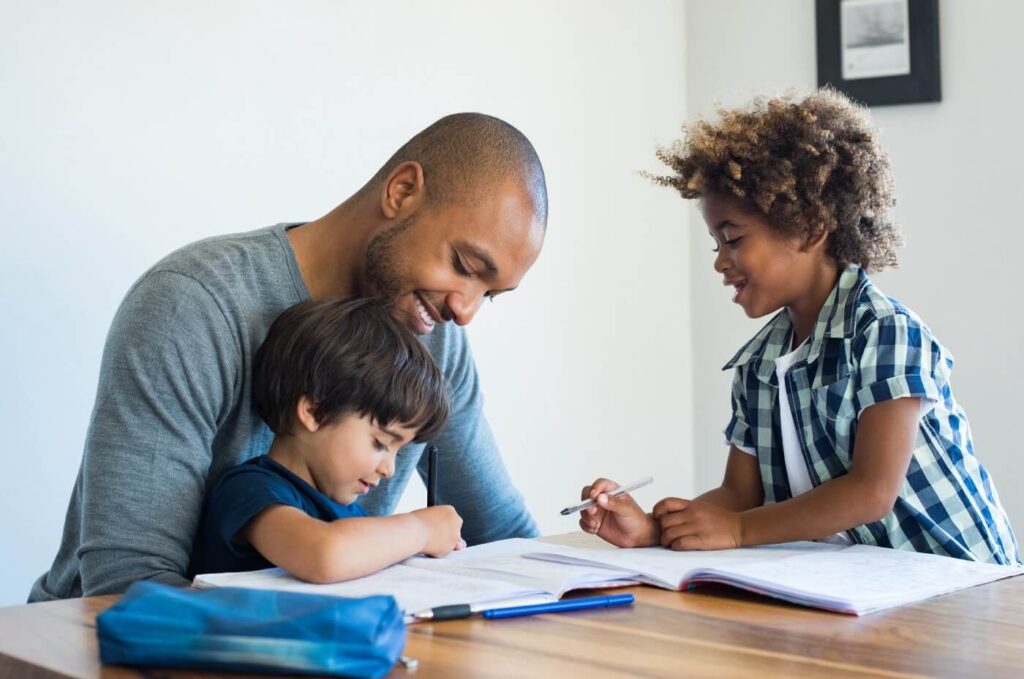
[
  {"x": 617, "y": 519},
  {"x": 696, "y": 524},
  {"x": 442, "y": 527}
]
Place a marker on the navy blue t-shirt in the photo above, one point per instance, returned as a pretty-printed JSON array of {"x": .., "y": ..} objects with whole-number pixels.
[{"x": 243, "y": 492}]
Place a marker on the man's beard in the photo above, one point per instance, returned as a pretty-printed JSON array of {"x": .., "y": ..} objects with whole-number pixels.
[{"x": 382, "y": 279}]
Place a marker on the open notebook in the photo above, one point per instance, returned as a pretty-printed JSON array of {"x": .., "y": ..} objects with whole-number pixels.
[
  {"x": 855, "y": 579},
  {"x": 495, "y": 574}
]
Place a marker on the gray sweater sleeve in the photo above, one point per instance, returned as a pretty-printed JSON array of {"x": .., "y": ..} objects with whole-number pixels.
[
  {"x": 472, "y": 475},
  {"x": 169, "y": 369}
]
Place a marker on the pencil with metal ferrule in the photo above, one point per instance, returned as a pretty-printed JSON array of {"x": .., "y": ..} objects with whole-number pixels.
[{"x": 621, "y": 490}]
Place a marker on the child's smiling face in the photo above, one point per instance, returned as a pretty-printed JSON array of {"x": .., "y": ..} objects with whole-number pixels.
[{"x": 767, "y": 269}]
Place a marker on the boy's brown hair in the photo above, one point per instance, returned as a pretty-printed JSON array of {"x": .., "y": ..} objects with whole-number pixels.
[
  {"x": 347, "y": 356},
  {"x": 807, "y": 164}
]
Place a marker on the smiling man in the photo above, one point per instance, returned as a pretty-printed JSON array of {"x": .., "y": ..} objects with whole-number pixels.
[{"x": 456, "y": 216}]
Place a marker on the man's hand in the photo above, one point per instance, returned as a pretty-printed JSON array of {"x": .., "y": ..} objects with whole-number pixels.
[
  {"x": 441, "y": 526},
  {"x": 617, "y": 519},
  {"x": 695, "y": 524}
]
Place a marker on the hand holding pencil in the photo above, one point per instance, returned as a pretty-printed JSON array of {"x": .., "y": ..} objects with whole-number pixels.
[{"x": 616, "y": 518}]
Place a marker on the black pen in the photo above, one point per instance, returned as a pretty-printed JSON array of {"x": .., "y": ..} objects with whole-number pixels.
[{"x": 431, "y": 475}]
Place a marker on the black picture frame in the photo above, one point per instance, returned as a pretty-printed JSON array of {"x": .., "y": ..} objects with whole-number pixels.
[{"x": 922, "y": 84}]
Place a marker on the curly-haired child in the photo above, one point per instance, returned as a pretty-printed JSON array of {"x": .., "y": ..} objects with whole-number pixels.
[{"x": 844, "y": 426}]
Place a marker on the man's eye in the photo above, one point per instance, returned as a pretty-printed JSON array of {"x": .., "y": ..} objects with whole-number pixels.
[{"x": 460, "y": 268}]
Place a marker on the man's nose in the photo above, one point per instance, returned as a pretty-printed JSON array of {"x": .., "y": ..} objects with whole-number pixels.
[{"x": 464, "y": 307}]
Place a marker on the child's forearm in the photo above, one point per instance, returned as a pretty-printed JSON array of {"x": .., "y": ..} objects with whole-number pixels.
[
  {"x": 729, "y": 498},
  {"x": 352, "y": 548},
  {"x": 830, "y": 508}
]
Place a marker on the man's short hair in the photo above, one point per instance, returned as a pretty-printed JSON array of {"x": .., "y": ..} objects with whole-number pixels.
[
  {"x": 465, "y": 154},
  {"x": 347, "y": 357}
]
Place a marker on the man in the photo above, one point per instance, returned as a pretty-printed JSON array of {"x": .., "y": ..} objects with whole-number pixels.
[{"x": 457, "y": 215}]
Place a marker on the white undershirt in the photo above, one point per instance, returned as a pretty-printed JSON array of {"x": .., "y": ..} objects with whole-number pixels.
[{"x": 796, "y": 466}]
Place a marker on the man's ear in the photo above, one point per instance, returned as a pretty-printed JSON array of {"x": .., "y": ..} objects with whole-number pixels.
[
  {"x": 404, "y": 190},
  {"x": 305, "y": 411}
]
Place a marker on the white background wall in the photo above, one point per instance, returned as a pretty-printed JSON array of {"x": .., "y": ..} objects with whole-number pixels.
[
  {"x": 128, "y": 129},
  {"x": 958, "y": 181}
]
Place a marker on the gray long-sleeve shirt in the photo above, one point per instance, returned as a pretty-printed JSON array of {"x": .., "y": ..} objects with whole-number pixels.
[{"x": 173, "y": 412}]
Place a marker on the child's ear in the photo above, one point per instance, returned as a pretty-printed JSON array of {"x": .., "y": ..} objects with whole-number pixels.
[
  {"x": 305, "y": 410},
  {"x": 816, "y": 239}
]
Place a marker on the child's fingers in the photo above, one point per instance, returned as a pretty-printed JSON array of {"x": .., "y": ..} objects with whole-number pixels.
[
  {"x": 667, "y": 505},
  {"x": 671, "y": 519},
  {"x": 670, "y": 536},
  {"x": 590, "y": 521},
  {"x": 617, "y": 504},
  {"x": 600, "y": 486},
  {"x": 686, "y": 542}
]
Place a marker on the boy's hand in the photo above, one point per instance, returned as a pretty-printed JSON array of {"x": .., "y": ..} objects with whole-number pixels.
[
  {"x": 696, "y": 524},
  {"x": 619, "y": 520},
  {"x": 442, "y": 528}
]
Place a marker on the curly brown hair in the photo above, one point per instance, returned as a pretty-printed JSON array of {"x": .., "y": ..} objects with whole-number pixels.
[{"x": 807, "y": 163}]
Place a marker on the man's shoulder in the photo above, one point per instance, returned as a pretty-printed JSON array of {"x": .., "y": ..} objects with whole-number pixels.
[{"x": 218, "y": 258}]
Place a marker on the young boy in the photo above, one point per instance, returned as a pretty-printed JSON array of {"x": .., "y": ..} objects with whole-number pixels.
[
  {"x": 844, "y": 424},
  {"x": 343, "y": 386}
]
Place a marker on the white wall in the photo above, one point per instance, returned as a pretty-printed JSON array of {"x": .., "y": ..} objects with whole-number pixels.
[
  {"x": 129, "y": 129},
  {"x": 958, "y": 177}
]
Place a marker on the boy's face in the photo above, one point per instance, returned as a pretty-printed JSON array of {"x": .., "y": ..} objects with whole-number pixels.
[
  {"x": 441, "y": 263},
  {"x": 349, "y": 457},
  {"x": 766, "y": 269}
]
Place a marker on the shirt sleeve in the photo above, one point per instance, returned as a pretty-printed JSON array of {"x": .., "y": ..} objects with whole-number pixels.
[
  {"x": 169, "y": 369},
  {"x": 738, "y": 432},
  {"x": 473, "y": 477},
  {"x": 240, "y": 496},
  {"x": 897, "y": 357}
]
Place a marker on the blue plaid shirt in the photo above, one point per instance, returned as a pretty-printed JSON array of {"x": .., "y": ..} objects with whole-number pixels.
[{"x": 867, "y": 348}]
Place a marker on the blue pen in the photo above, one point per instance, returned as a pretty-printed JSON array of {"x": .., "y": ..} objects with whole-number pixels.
[{"x": 560, "y": 606}]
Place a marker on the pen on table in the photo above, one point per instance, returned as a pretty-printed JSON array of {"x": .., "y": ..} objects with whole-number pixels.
[
  {"x": 615, "y": 493},
  {"x": 431, "y": 475},
  {"x": 560, "y": 606},
  {"x": 460, "y": 611}
]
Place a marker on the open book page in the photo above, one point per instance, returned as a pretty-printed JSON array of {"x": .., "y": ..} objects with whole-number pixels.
[
  {"x": 503, "y": 560},
  {"x": 495, "y": 572},
  {"x": 859, "y": 579},
  {"x": 414, "y": 589},
  {"x": 669, "y": 569},
  {"x": 855, "y": 579}
]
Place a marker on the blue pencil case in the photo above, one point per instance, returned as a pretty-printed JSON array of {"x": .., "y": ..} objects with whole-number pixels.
[{"x": 252, "y": 630}]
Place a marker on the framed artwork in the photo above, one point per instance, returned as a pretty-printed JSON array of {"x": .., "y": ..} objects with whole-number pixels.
[{"x": 880, "y": 52}]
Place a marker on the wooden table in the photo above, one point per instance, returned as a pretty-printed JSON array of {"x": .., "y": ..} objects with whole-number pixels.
[{"x": 711, "y": 631}]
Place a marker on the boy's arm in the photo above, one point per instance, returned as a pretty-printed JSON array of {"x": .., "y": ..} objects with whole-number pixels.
[
  {"x": 881, "y": 456},
  {"x": 330, "y": 551},
  {"x": 885, "y": 442},
  {"x": 741, "y": 487}
]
